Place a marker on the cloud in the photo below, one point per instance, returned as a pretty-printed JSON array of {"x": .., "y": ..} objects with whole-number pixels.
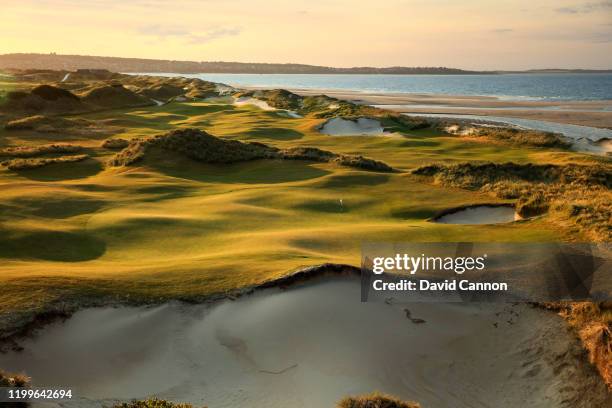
[
  {"x": 584, "y": 8},
  {"x": 165, "y": 32},
  {"x": 503, "y": 30}
]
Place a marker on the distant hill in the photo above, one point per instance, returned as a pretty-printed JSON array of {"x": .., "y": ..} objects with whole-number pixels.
[
  {"x": 559, "y": 71},
  {"x": 115, "y": 64}
]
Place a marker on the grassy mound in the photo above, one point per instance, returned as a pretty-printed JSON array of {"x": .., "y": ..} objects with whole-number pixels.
[
  {"x": 572, "y": 194},
  {"x": 201, "y": 146},
  {"x": 117, "y": 143},
  {"x": 52, "y": 93},
  {"x": 42, "y": 123},
  {"x": 114, "y": 96},
  {"x": 507, "y": 135},
  {"x": 32, "y": 151},
  {"x": 25, "y": 164},
  {"x": 325, "y": 107},
  {"x": 162, "y": 91},
  {"x": 152, "y": 403},
  {"x": 43, "y": 98},
  {"x": 375, "y": 400},
  {"x": 476, "y": 175}
]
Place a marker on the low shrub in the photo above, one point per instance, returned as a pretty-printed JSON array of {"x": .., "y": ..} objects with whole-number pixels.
[
  {"x": 506, "y": 135},
  {"x": 26, "y": 164},
  {"x": 201, "y": 146},
  {"x": 44, "y": 123},
  {"x": 13, "y": 380},
  {"x": 375, "y": 400},
  {"x": 32, "y": 151},
  {"x": 152, "y": 403},
  {"x": 572, "y": 194},
  {"x": 115, "y": 143}
]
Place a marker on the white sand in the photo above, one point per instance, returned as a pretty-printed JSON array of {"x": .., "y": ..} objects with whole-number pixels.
[
  {"x": 244, "y": 100},
  {"x": 345, "y": 127},
  {"x": 305, "y": 347},
  {"x": 223, "y": 89},
  {"x": 481, "y": 215}
]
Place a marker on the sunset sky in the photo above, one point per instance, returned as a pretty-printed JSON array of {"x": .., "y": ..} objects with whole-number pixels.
[{"x": 470, "y": 34}]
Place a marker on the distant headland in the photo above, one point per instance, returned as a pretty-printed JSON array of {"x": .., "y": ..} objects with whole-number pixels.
[{"x": 116, "y": 64}]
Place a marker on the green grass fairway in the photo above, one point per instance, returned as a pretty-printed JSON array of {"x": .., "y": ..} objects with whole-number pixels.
[{"x": 172, "y": 227}]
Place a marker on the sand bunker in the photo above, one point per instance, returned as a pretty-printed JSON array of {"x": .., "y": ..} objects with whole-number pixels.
[
  {"x": 307, "y": 347},
  {"x": 346, "y": 127},
  {"x": 482, "y": 214},
  {"x": 244, "y": 100}
]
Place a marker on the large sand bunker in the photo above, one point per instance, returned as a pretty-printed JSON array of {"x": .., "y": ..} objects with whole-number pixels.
[
  {"x": 309, "y": 346},
  {"x": 347, "y": 127}
]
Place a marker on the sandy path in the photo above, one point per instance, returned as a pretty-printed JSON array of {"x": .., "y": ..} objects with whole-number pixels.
[{"x": 308, "y": 347}]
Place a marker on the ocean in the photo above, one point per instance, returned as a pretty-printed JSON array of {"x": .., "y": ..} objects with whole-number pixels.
[{"x": 552, "y": 87}]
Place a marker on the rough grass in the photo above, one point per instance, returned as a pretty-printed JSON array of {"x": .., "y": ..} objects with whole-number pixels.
[
  {"x": 593, "y": 324},
  {"x": 44, "y": 123},
  {"x": 203, "y": 147},
  {"x": 507, "y": 135},
  {"x": 580, "y": 195},
  {"x": 13, "y": 380},
  {"x": 152, "y": 403},
  {"x": 34, "y": 163},
  {"x": 375, "y": 400},
  {"x": 116, "y": 143},
  {"x": 32, "y": 151}
]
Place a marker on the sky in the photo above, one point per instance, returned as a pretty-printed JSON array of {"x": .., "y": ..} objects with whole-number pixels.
[{"x": 468, "y": 34}]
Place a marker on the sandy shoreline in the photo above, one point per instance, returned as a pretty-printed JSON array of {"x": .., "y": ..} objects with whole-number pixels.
[{"x": 584, "y": 113}]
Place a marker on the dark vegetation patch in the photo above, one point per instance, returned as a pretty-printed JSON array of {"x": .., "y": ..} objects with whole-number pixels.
[
  {"x": 152, "y": 403},
  {"x": 43, "y": 98},
  {"x": 33, "y": 151},
  {"x": 52, "y": 93},
  {"x": 476, "y": 175},
  {"x": 117, "y": 143},
  {"x": 161, "y": 92},
  {"x": 9, "y": 380},
  {"x": 44, "y": 123},
  {"x": 201, "y": 146},
  {"x": 33, "y": 163},
  {"x": 114, "y": 96},
  {"x": 375, "y": 400},
  {"x": 506, "y": 135},
  {"x": 579, "y": 195},
  {"x": 13, "y": 380}
]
